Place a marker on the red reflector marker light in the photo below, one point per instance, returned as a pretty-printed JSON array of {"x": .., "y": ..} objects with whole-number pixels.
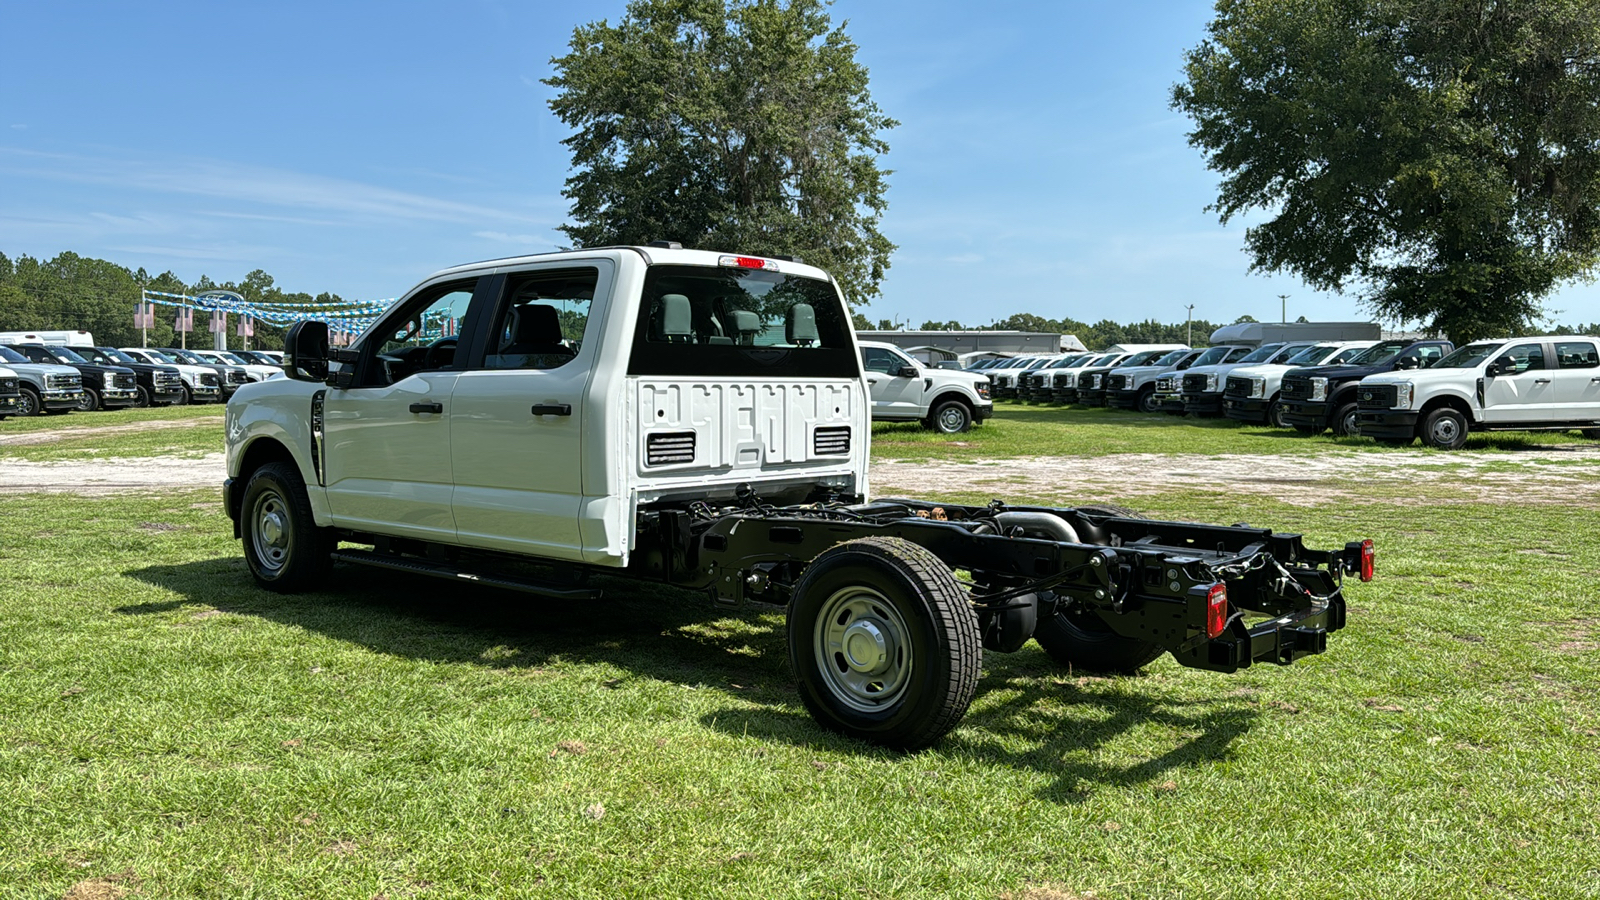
[
  {"x": 747, "y": 262},
  {"x": 1216, "y": 610},
  {"x": 1368, "y": 566}
]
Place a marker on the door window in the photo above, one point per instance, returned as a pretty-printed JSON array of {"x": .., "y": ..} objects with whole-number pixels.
[
  {"x": 878, "y": 359},
  {"x": 1576, "y": 355},
  {"x": 1522, "y": 357},
  {"x": 542, "y": 320},
  {"x": 423, "y": 336}
]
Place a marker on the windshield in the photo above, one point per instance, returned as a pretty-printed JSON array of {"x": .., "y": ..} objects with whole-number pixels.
[
  {"x": 734, "y": 321},
  {"x": 1262, "y": 353},
  {"x": 1310, "y": 356},
  {"x": 1214, "y": 355},
  {"x": 1378, "y": 354},
  {"x": 1343, "y": 357},
  {"x": 10, "y": 355},
  {"x": 158, "y": 356},
  {"x": 65, "y": 355},
  {"x": 183, "y": 356},
  {"x": 1140, "y": 359},
  {"x": 1171, "y": 359},
  {"x": 1469, "y": 357},
  {"x": 234, "y": 358}
]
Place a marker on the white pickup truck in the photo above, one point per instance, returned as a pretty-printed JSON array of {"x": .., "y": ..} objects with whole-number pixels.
[
  {"x": 1511, "y": 384},
  {"x": 948, "y": 401},
  {"x": 702, "y": 420}
]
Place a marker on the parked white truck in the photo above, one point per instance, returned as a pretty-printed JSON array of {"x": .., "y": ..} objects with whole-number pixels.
[
  {"x": 702, "y": 420},
  {"x": 901, "y": 389}
]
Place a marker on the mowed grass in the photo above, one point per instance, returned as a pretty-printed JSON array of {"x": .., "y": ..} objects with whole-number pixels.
[
  {"x": 1021, "y": 429},
  {"x": 169, "y": 730},
  {"x": 182, "y": 431}
]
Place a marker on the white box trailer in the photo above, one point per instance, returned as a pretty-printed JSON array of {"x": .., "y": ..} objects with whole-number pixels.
[
  {"x": 1257, "y": 333},
  {"x": 70, "y": 338}
]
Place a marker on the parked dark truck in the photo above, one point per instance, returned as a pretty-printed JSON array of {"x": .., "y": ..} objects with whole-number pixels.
[
  {"x": 157, "y": 385},
  {"x": 593, "y": 416},
  {"x": 1092, "y": 381},
  {"x": 1324, "y": 397},
  {"x": 103, "y": 387}
]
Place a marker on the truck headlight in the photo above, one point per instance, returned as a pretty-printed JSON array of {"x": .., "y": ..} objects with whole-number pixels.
[
  {"x": 982, "y": 388},
  {"x": 1403, "y": 393},
  {"x": 1258, "y": 388},
  {"x": 1211, "y": 383},
  {"x": 1319, "y": 388},
  {"x": 1094, "y": 383}
]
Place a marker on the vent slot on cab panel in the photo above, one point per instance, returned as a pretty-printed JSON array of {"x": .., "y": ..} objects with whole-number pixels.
[
  {"x": 832, "y": 440},
  {"x": 669, "y": 448}
]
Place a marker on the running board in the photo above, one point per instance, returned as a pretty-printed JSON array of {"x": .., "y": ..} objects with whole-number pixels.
[{"x": 422, "y": 567}]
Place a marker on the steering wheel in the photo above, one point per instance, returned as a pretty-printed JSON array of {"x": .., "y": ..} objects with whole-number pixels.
[{"x": 440, "y": 353}]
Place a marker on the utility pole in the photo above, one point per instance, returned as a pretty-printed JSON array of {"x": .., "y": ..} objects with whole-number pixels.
[
  {"x": 1188, "y": 325},
  {"x": 1283, "y": 315}
]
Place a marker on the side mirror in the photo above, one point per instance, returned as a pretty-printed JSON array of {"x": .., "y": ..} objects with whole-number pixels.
[
  {"x": 305, "y": 351},
  {"x": 907, "y": 372},
  {"x": 1501, "y": 366}
]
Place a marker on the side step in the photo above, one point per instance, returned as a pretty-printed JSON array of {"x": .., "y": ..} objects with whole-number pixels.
[{"x": 422, "y": 567}]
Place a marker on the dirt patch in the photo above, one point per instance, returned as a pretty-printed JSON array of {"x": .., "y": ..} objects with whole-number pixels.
[
  {"x": 34, "y": 438},
  {"x": 1525, "y": 477},
  {"x": 109, "y": 887},
  {"x": 117, "y": 475}
]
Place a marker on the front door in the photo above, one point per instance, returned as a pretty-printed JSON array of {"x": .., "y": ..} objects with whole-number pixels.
[
  {"x": 1521, "y": 391},
  {"x": 387, "y": 435},
  {"x": 894, "y": 396},
  {"x": 516, "y": 422}
]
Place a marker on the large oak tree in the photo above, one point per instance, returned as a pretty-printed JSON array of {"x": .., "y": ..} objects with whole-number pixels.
[
  {"x": 741, "y": 125},
  {"x": 1440, "y": 156}
]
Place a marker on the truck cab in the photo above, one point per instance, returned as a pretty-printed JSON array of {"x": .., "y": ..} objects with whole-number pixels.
[
  {"x": 1510, "y": 384},
  {"x": 1321, "y": 397}
]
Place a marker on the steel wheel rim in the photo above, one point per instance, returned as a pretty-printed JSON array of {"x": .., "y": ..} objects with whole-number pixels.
[
  {"x": 271, "y": 535},
  {"x": 863, "y": 649},
  {"x": 1446, "y": 430},
  {"x": 1352, "y": 424},
  {"x": 26, "y": 406},
  {"x": 950, "y": 419},
  {"x": 85, "y": 403},
  {"x": 141, "y": 398}
]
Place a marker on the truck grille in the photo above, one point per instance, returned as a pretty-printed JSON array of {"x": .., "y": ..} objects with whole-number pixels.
[
  {"x": 209, "y": 378},
  {"x": 1237, "y": 387},
  {"x": 1063, "y": 380},
  {"x": 8, "y": 385},
  {"x": 166, "y": 381},
  {"x": 1296, "y": 388},
  {"x": 669, "y": 448},
  {"x": 1377, "y": 396},
  {"x": 1085, "y": 381},
  {"x": 1167, "y": 385},
  {"x": 63, "y": 381},
  {"x": 1194, "y": 384},
  {"x": 237, "y": 376},
  {"x": 1117, "y": 383},
  {"x": 833, "y": 440},
  {"x": 120, "y": 382}
]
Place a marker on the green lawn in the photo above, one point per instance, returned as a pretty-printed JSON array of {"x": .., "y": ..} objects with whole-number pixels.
[
  {"x": 168, "y": 730},
  {"x": 1020, "y": 429},
  {"x": 183, "y": 431}
]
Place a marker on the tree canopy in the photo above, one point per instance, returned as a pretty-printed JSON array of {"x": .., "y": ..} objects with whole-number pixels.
[
  {"x": 1441, "y": 156},
  {"x": 742, "y": 125}
]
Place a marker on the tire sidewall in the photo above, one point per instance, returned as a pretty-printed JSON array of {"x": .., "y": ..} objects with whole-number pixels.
[
  {"x": 142, "y": 399},
  {"x": 1147, "y": 401},
  {"x": 29, "y": 404},
  {"x": 937, "y": 419},
  {"x": 1431, "y": 418},
  {"x": 90, "y": 401},
  {"x": 830, "y": 574},
  {"x": 306, "y": 556},
  {"x": 1346, "y": 411}
]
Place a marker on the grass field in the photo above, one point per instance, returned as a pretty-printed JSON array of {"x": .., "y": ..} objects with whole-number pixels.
[{"x": 169, "y": 730}]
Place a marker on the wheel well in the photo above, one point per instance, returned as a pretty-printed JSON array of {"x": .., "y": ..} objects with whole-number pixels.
[
  {"x": 950, "y": 395},
  {"x": 260, "y": 452},
  {"x": 1456, "y": 403}
]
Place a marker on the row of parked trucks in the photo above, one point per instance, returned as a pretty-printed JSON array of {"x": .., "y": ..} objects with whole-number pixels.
[
  {"x": 45, "y": 372},
  {"x": 1394, "y": 391}
]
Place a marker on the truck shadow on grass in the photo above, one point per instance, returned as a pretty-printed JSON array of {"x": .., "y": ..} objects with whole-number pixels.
[{"x": 1028, "y": 713}]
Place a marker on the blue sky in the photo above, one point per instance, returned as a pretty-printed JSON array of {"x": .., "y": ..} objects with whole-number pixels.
[{"x": 358, "y": 147}]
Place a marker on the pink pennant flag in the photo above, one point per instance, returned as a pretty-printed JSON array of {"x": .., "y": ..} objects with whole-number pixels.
[
  {"x": 144, "y": 315},
  {"x": 247, "y": 327},
  {"x": 219, "y": 322},
  {"x": 185, "y": 319}
]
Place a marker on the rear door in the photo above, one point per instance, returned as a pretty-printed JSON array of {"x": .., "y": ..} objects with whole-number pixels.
[
  {"x": 1576, "y": 380},
  {"x": 517, "y": 414}
]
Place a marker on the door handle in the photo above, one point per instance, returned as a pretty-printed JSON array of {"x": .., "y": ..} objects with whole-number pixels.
[
  {"x": 427, "y": 407},
  {"x": 552, "y": 409},
  {"x": 1541, "y": 381}
]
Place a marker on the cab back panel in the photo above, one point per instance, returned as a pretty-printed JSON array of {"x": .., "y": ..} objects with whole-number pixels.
[{"x": 746, "y": 428}]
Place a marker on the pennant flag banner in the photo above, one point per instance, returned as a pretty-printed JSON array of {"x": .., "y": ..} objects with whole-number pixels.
[
  {"x": 352, "y": 316},
  {"x": 219, "y": 323},
  {"x": 185, "y": 319},
  {"x": 144, "y": 315},
  {"x": 247, "y": 327}
]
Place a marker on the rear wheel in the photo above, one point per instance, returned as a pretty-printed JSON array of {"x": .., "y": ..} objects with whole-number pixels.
[
  {"x": 1444, "y": 429},
  {"x": 89, "y": 402},
  {"x": 884, "y": 643},
  {"x": 29, "y": 404},
  {"x": 283, "y": 547}
]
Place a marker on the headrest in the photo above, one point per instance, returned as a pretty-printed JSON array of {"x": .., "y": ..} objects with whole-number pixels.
[
  {"x": 746, "y": 322},
  {"x": 800, "y": 328},
  {"x": 535, "y": 323},
  {"x": 671, "y": 320}
]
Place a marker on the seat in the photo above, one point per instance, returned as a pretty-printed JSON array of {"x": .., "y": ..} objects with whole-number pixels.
[
  {"x": 707, "y": 327},
  {"x": 536, "y": 335},
  {"x": 670, "y": 320}
]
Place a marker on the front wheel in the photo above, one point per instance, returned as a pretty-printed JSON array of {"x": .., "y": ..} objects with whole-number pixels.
[
  {"x": 141, "y": 399},
  {"x": 950, "y": 417},
  {"x": 1147, "y": 401},
  {"x": 884, "y": 643},
  {"x": 29, "y": 403},
  {"x": 1444, "y": 429},
  {"x": 1346, "y": 420},
  {"x": 283, "y": 547},
  {"x": 188, "y": 397},
  {"x": 89, "y": 402},
  {"x": 1275, "y": 415}
]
